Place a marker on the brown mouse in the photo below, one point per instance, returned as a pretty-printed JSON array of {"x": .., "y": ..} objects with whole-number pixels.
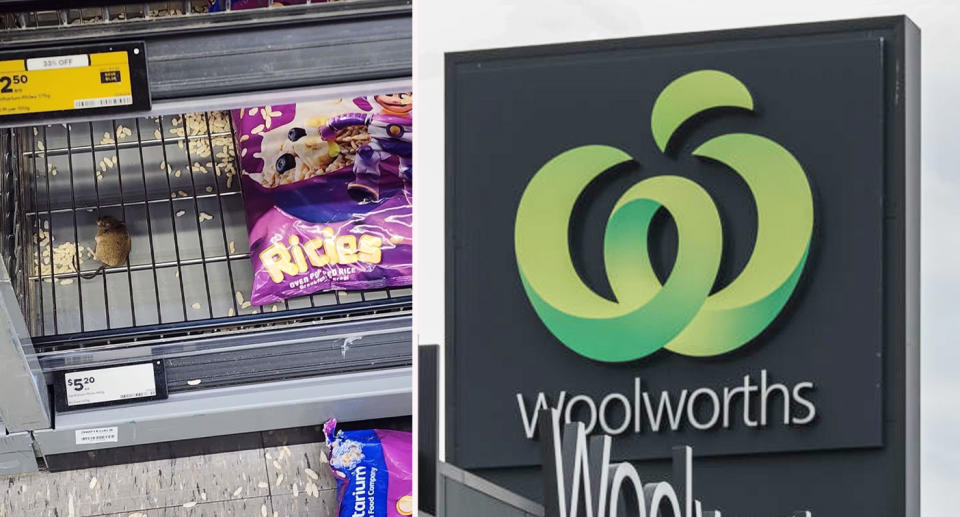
[{"x": 113, "y": 244}]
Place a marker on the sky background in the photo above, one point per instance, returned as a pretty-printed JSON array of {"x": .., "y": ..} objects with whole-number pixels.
[{"x": 441, "y": 25}]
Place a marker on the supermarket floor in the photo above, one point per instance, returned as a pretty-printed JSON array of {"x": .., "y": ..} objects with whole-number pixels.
[{"x": 273, "y": 481}]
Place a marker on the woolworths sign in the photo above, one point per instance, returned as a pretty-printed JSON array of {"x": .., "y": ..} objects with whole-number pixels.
[{"x": 704, "y": 241}]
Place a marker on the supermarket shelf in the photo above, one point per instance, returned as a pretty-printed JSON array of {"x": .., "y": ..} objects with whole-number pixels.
[
  {"x": 280, "y": 349},
  {"x": 239, "y": 409},
  {"x": 157, "y": 173},
  {"x": 260, "y": 49}
]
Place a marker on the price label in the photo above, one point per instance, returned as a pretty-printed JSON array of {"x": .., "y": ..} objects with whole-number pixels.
[
  {"x": 118, "y": 384},
  {"x": 114, "y": 79}
]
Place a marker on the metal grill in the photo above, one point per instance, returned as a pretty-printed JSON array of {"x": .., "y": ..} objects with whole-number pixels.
[
  {"x": 174, "y": 180},
  {"x": 129, "y": 11}
]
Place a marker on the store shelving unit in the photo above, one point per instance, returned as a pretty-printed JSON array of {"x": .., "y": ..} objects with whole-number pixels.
[{"x": 182, "y": 296}]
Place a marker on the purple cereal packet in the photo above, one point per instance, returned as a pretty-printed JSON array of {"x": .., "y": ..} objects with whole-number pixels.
[
  {"x": 328, "y": 195},
  {"x": 374, "y": 471}
]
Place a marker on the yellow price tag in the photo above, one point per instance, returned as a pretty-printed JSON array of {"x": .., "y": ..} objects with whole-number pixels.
[{"x": 62, "y": 83}]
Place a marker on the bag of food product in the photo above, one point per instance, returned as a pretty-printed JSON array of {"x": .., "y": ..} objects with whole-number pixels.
[
  {"x": 374, "y": 471},
  {"x": 328, "y": 194},
  {"x": 216, "y": 6}
]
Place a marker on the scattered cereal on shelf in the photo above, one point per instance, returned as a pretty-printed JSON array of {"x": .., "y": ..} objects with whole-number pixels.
[
  {"x": 239, "y": 297},
  {"x": 40, "y": 145},
  {"x": 233, "y": 248},
  {"x": 203, "y": 495},
  {"x": 93, "y": 483},
  {"x": 209, "y": 189},
  {"x": 276, "y": 465},
  {"x": 181, "y": 212},
  {"x": 66, "y": 281},
  {"x": 238, "y": 491},
  {"x": 205, "y": 217},
  {"x": 194, "y": 382},
  {"x": 177, "y": 173},
  {"x": 275, "y": 308},
  {"x": 245, "y": 305},
  {"x": 311, "y": 473},
  {"x": 262, "y": 484},
  {"x": 196, "y": 306},
  {"x": 231, "y": 312},
  {"x": 279, "y": 479},
  {"x": 182, "y": 193},
  {"x": 263, "y": 510},
  {"x": 191, "y": 504},
  {"x": 296, "y": 489}
]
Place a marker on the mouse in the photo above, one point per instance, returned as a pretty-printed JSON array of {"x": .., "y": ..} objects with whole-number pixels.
[{"x": 113, "y": 245}]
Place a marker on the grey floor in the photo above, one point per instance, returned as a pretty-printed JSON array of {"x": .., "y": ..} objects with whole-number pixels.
[{"x": 283, "y": 481}]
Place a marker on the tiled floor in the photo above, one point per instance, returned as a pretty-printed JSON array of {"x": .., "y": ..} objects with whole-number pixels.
[{"x": 283, "y": 481}]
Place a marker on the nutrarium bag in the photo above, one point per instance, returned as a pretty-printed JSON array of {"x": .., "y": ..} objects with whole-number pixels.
[
  {"x": 374, "y": 471},
  {"x": 327, "y": 188}
]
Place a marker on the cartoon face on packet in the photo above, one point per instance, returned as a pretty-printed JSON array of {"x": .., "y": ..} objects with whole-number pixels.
[
  {"x": 391, "y": 140},
  {"x": 397, "y": 104},
  {"x": 303, "y": 154}
]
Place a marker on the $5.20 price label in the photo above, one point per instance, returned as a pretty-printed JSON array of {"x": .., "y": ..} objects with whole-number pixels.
[
  {"x": 76, "y": 79},
  {"x": 104, "y": 385}
]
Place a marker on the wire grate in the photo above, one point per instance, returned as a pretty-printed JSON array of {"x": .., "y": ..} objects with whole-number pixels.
[{"x": 174, "y": 180}]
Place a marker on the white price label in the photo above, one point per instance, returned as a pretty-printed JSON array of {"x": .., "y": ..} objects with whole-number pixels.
[
  {"x": 110, "y": 384},
  {"x": 96, "y": 435}
]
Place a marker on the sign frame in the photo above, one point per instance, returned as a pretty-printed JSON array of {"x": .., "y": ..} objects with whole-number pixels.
[{"x": 901, "y": 330}]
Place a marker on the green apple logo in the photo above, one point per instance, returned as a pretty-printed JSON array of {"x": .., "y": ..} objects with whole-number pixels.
[{"x": 680, "y": 315}]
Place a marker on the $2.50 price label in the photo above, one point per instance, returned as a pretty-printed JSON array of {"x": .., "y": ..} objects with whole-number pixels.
[{"x": 77, "y": 79}]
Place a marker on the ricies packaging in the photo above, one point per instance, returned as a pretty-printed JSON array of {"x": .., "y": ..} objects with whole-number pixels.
[
  {"x": 328, "y": 195},
  {"x": 374, "y": 471}
]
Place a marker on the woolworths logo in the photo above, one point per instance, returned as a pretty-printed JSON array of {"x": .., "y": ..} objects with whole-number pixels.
[{"x": 680, "y": 315}]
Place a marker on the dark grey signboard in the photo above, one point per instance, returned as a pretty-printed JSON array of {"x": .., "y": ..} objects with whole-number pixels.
[{"x": 707, "y": 240}]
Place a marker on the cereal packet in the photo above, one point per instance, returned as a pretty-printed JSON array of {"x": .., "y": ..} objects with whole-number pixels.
[
  {"x": 374, "y": 471},
  {"x": 328, "y": 194}
]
